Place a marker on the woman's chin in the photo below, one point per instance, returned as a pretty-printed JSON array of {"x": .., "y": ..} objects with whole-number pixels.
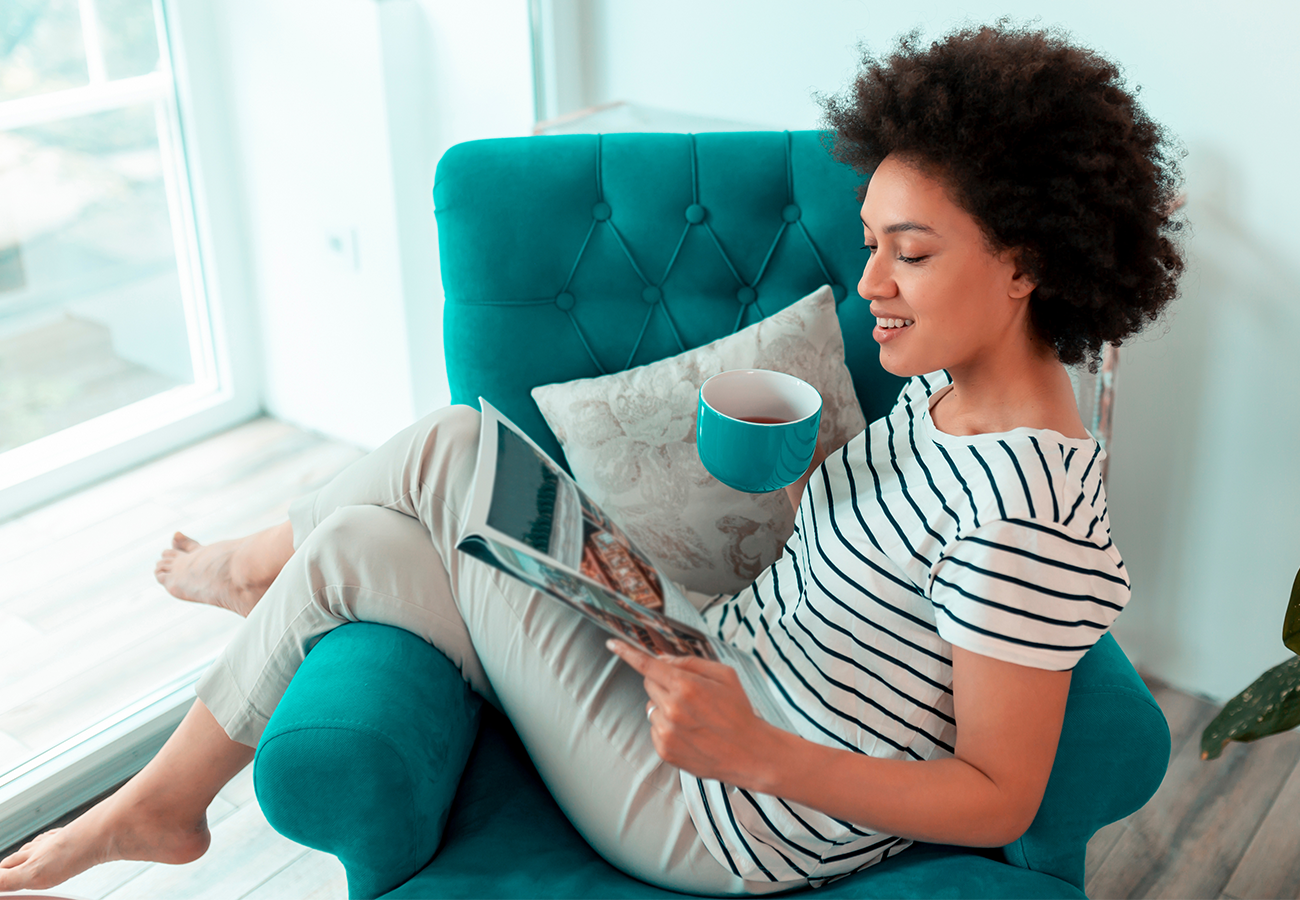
[{"x": 900, "y": 365}]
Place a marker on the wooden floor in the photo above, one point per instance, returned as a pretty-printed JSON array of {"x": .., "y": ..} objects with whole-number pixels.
[
  {"x": 83, "y": 625},
  {"x": 1223, "y": 828}
]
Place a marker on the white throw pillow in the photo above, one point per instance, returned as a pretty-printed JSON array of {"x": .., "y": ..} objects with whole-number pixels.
[{"x": 630, "y": 441}]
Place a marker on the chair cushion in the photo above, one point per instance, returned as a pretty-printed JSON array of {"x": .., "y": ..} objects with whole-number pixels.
[
  {"x": 630, "y": 441},
  {"x": 507, "y": 838}
]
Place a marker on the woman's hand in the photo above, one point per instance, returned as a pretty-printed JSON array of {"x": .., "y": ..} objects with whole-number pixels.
[
  {"x": 700, "y": 718},
  {"x": 795, "y": 491}
]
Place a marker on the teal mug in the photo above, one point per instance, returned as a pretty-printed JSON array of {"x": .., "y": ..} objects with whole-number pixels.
[{"x": 756, "y": 430}]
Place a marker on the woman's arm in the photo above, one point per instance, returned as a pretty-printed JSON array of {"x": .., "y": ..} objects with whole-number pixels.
[{"x": 1008, "y": 724}]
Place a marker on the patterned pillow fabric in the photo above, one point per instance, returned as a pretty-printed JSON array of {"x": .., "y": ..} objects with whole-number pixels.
[{"x": 630, "y": 441}]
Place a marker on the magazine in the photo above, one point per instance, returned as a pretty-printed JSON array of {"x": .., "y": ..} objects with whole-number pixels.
[{"x": 528, "y": 518}]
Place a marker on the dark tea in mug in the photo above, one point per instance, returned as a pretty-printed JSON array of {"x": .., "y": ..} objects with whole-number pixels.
[{"x": 756, "y": 430}]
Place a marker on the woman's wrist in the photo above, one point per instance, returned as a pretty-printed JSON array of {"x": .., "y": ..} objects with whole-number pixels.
[{"x": 778, "y": 756}]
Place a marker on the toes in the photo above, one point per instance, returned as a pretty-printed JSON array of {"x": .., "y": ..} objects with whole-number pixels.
[
  {"x": 182, "y": 542},
  {"x": 10, "y": 878}
]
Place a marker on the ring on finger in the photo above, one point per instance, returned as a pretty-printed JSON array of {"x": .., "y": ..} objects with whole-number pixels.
[{"x": 650, "y": 712}]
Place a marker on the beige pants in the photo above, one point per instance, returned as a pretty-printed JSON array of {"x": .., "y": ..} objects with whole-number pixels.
[{"x": 377, "y": 544}]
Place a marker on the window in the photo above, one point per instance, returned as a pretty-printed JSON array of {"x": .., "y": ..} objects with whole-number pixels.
[
  {"x": 113, "y": 343},
  {"x": 106, "y": 331}
]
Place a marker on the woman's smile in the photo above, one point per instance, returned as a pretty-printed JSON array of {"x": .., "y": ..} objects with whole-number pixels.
[{"x": 888, "y": 329}]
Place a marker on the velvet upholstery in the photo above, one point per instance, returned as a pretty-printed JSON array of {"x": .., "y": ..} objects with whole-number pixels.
[
  {"x": 378, "y": 726},
  {"x": 573, "y": 256}
]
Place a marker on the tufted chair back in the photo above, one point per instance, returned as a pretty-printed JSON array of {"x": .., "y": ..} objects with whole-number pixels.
[{"x": 579, "y": 255}]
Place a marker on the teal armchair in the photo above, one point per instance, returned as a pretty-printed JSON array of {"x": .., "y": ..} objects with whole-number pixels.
[{"x": 572, "y": 256}]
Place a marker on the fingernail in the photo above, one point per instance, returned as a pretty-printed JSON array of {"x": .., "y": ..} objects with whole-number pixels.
[{"x": 611, "y": 645}]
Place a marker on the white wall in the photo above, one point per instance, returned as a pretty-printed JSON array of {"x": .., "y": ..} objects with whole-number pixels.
[
  {"x": 341, "y": 109},
  {"x": 453, "y": 72},
  {"x": 306, "y": 90},
  {"x": 1205, "y": 476}
]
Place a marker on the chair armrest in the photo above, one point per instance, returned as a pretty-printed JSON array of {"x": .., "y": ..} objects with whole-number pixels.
[
  {"x": 1112, "y": 757},
  {"x": 363, "y": 755}
]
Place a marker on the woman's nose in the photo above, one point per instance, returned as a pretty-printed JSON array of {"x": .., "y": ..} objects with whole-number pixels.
[{"x": 876, "y": 282}]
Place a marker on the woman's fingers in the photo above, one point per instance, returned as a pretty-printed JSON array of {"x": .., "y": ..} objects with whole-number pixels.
[
  {"x": 666, "y": 668},
  {"x": 661, "y": 696},
  {"x": 649, "y": 666}
]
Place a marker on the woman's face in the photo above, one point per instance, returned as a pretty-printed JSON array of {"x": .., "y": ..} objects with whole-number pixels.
[{"x": 941, "y": 299}]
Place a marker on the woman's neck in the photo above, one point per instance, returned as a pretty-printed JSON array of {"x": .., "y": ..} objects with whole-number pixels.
[{"x": 1028, "y": 390}]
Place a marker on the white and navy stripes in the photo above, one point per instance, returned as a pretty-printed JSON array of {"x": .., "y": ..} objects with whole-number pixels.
[{"x": 909, "y": 541}]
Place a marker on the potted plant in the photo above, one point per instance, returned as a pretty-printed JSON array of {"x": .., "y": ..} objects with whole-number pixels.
[{"x": 1272, "y": 702}]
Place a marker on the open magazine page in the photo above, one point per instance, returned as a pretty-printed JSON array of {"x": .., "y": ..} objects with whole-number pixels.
[{"x": 529, "y": 518}]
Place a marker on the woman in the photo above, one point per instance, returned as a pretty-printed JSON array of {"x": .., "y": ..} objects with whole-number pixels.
[{"x": 948, "y": 567}]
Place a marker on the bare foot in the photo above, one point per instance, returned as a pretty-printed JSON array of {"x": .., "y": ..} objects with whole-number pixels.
[
  {"x": 206, "y": 573},
  {"x": 115, "y": 829}
]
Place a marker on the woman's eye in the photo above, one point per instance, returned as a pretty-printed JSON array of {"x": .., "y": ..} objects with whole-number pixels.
[{"x": 872, "y": 248}]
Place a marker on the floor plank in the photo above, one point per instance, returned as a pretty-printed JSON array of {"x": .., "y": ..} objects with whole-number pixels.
[
  {"x": 1271, "y": 864},
  {"x": 99, "y": 882},
  {"x": 1100, "y": 846},
  {"x": 1190, "y": 838},
  {"x": 313, "y": 876}
]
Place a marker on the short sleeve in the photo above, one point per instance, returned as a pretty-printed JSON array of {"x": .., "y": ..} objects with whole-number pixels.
[{"x": 1027, "y": 592}]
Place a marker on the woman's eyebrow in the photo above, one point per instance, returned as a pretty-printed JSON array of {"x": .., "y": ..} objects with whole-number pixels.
[
  {"x": 905, "y": 226},
  {"x": 910, "y": 226}
]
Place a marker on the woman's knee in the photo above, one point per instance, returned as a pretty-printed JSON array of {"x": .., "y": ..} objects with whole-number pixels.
[
  {"x": 455, "y": 423},
  {"x": 356, "y": 531},
  {"x": 449, "y": 436}
]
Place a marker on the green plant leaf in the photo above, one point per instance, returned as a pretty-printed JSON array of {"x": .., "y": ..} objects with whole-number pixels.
[
  {"x": 1291, "y": 624},
  {"x": 1270, "y": 705}
]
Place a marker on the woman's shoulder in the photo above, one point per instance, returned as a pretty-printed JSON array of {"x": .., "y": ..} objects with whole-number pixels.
[{"x": 1044, "y": 483}]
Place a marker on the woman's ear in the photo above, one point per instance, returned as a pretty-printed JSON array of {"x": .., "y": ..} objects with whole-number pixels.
[{"x": 1023, "y": 281}]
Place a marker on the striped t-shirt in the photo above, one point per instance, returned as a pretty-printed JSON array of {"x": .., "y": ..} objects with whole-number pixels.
[{"x": 908, "y": 541}]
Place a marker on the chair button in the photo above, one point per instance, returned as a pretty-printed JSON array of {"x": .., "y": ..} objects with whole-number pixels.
[
  {"x": 746, "y": 296},
  {"x": 791, "y": 213},
  {"x": 601, "y": 211},
  {"x": 652, "y": 295},
  {"x": 840, "y": 292},
  {"x": 695, "y": 213},
  {"x": 564, "y": 301}
]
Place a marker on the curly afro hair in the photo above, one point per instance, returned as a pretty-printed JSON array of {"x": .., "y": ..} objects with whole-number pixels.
[{"x": 1039, "y": 141}]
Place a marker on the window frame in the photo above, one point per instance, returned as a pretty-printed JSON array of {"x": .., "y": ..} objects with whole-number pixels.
[
  {"x": 57, "y": 781},
  {"x": 212, "y": 263}
]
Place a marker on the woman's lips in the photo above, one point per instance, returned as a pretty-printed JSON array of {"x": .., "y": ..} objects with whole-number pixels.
[{"x": 885, "y": 335}]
